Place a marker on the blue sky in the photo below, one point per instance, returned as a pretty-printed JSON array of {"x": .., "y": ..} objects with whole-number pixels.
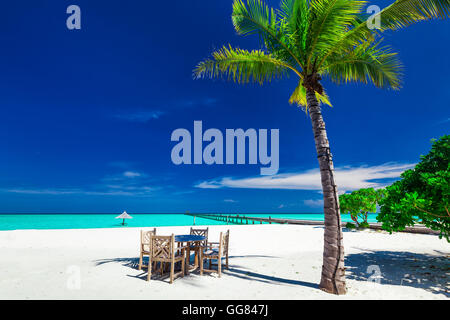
[{"x": 86, "y": 115}]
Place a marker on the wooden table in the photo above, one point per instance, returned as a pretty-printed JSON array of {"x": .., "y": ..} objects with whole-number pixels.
[{"x": 189, "y": 239}]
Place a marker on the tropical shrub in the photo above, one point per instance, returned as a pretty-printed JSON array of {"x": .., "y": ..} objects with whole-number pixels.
[
  {"x": 364, "y": 225},
  {"x": 422, "y": 195},
  {"x": 350, "y": 225},
  {"x": 360, "y": 203}
]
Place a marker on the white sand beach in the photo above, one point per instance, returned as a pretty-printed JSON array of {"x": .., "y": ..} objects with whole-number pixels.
[{"x": 266, "y": 262}]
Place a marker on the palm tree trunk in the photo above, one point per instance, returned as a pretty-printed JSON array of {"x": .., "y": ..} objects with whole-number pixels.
[{"x": 333, "y": 271}]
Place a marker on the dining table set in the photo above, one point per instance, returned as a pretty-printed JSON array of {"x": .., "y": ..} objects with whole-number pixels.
[{"x": 165, "y": 253}]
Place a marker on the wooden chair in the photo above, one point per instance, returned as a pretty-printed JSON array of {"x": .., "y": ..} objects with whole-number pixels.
[
  {"x": 197, "y": 245},
  {"x": 163, "y": 250},
  {"x": 201, "y": 232},
  {"x": 145, "y": 245},
  {"x": 215, "y": 251}
]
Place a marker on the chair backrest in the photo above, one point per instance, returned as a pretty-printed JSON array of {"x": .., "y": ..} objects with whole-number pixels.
[
  {"x": 200, "y": 232},
  {"x": 162, "y": 247},
  {"x": 145, "y": 239},
  {"x": 224, "y": 241}
]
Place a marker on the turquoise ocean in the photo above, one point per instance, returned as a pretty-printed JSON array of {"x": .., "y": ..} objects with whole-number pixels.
[{"x": 89, "y": 221}]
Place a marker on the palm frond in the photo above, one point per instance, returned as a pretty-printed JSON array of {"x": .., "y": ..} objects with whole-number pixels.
[
  {"x": 366, "y": 62},
  {"x": 286, "y": 8},
  {"x": 329, "y": 21},
  {"x": 317, "y": 37},
  {"x": 400, "y": 14},
  {"x": 256, "y": 17},
  {"x": 296, "y": 18},
  {"x": 403, "y": 13},
  {"x": 242, "y": 66},
  {"x": 298, "y": 97}
]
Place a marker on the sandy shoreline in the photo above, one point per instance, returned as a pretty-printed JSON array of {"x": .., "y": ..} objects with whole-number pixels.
[{"x": 266, "y": 262}]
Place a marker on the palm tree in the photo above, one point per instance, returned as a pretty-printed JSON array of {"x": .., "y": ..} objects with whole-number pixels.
[{"x": 313, "y": 39}]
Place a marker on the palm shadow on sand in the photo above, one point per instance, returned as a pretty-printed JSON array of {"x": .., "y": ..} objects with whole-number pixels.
[
  {"x": 233, "y": 271},
  {"x": 127, "y": 262},
  {"x": 424, "y": 271},
  {"x": 239, "y": 272},
  {"x": 133, "y": 263}
]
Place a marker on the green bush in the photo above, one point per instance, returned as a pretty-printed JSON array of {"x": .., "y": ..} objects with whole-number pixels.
[
  {"x": 422, "y": 195},
  {"x": 350, "y": 225},
  {"x": 360, "y": 202},
  {"x": 364, "y": 225}
]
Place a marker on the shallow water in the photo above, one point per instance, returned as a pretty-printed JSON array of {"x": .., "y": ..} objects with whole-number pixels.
[{"x": 87, "y": 221}]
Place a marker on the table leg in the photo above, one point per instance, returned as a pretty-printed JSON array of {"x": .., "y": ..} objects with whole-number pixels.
[
  {"x": 188, "y": 258},
  {"x": 197, "y": 244},
  {"x": 201, "y": 261}
]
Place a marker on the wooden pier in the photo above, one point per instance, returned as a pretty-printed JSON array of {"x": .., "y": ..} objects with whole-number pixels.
[{"x": 242, "y": 219}]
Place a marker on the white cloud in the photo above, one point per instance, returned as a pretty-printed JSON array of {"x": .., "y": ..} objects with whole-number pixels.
[
  {"x": 128, "y": 183},
  {"x": 112, "y": 191},
  {"x": 230, "y": 200},
  {"x": 347, "y": 178},
  {"x": 313, "y": 203},
  {"x": 126, "y": 177},
  {"x": 140, "y": 116},
  {"x": 208, "y": 185},
  {"x": 44, "y": 191},
  {"x": 131, "y": 174}
]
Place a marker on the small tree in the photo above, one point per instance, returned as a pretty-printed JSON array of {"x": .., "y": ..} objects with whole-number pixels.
[
  {"x": 360, "y": 203},
  {"x": 422, "y": 195}
]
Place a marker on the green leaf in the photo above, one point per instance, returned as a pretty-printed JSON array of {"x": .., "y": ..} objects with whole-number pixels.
[
  {"x": 242, "y": 66},
  {"x": 299, "y": 97}
]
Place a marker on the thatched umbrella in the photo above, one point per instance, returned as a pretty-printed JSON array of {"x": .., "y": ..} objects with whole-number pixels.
[{"x": 124, "y": 216}]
